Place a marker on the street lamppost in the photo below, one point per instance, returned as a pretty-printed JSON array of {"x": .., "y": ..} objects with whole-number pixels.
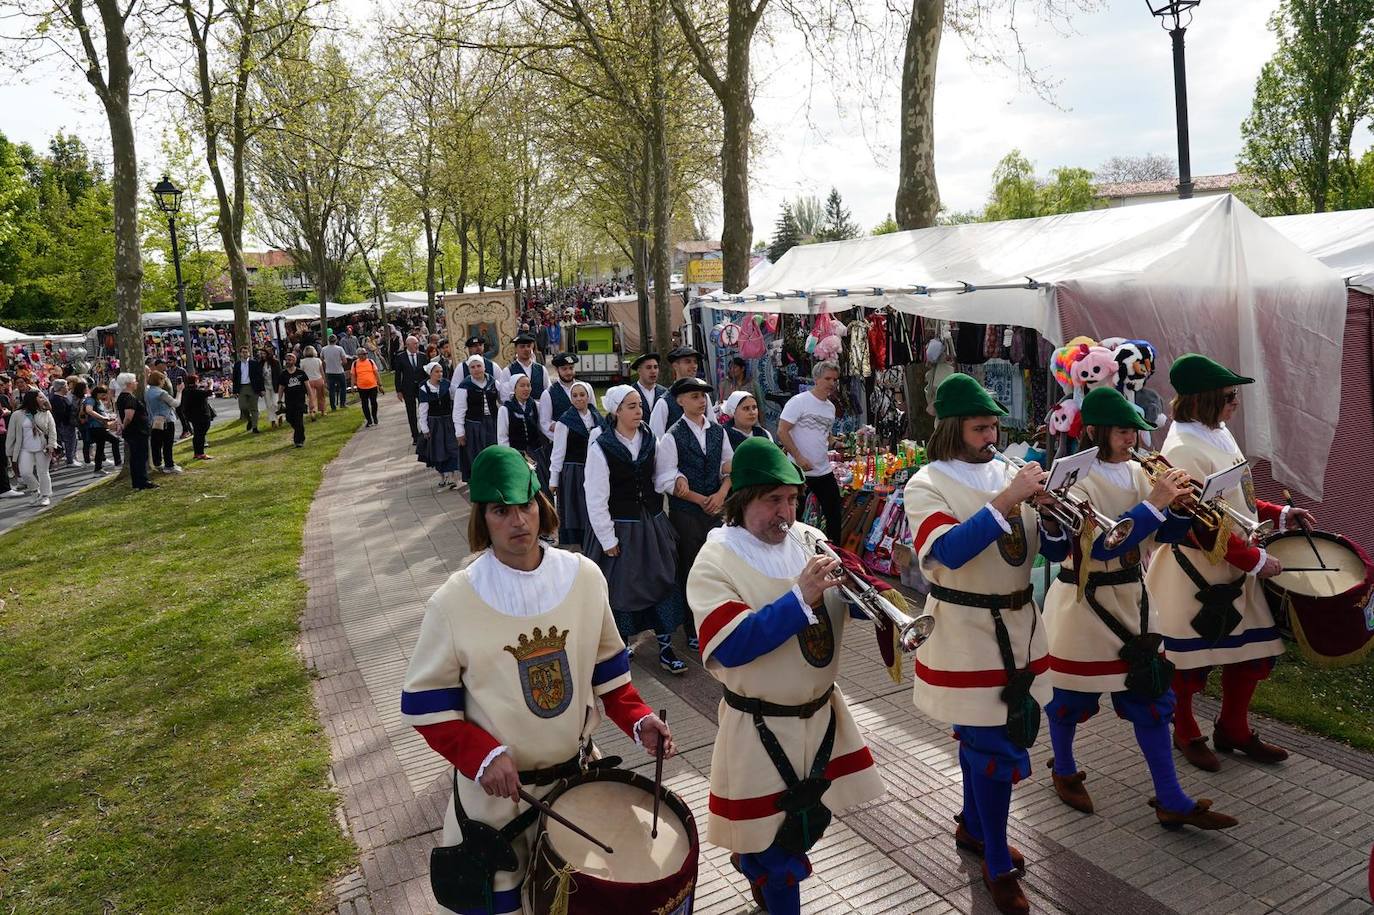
[
  {"x": 168, "y": 197},
  {"x": 1175, "y": 16}
]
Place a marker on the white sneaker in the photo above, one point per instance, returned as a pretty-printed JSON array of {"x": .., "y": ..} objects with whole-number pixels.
[
  {"x": 101, "y": 472},
  {"x": 44, "y": 501},
  {"x": 175, "y": 468},
  {"x": 13, "y": 494}
]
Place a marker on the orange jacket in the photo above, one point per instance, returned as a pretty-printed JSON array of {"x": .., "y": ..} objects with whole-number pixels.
[{"x": 365, "y": 374}]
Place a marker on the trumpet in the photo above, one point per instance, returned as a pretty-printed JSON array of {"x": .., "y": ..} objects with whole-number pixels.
[
  {"x": 1073, "y": 512},
  {"x": 870, "y": 601},
  {"x": 1212, "y": 515}
]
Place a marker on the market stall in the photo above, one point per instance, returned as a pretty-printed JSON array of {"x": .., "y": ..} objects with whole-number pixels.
[{"x": 212, "y": 337}]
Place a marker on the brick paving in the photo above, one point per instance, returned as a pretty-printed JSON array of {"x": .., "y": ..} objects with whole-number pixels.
[{"x": 380, "y": 540}]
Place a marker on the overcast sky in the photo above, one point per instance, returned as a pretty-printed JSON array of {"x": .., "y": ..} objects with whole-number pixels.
[{"x": 1115, "y": 97}]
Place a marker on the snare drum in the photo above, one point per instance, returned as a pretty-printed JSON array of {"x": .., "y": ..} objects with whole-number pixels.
[
  {"x": 1329, "y": 614},
  {"x": 644, "y": 875}
]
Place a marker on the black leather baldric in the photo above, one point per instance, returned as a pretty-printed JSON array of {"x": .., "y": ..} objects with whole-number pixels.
[
  {"x": 1013, "y": 601},
  {"x": 1123, "y": 576},
  {"x": 773, "y": 710},
  {"x": 566, "y": 769}
]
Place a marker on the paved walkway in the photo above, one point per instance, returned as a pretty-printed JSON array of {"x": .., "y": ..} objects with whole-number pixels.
[{"x": 380, "y": 540}]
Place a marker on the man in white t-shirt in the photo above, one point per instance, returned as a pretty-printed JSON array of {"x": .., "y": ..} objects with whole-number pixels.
[{"x": 804, "y": 433}]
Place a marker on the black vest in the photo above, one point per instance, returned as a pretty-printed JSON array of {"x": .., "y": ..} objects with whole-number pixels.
[
  {"x": 482, "y": 402},
  {"x": 523, "y": 427},
  {"x": 537, "y": 374},
  {"x": 577, "y": 436},
  {"x": 632, "y": 482},
  {"x": 737, "y": 437},
  {"x": 558, "y": 401},
  {"x": 701, "y": 468}
]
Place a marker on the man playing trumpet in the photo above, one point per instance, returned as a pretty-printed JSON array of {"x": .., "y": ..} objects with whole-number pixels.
[
  {"x": 975, "y": 532},
  {"x": 787, "y": 752}
]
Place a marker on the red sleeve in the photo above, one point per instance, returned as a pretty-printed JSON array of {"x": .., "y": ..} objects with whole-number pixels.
[
  {"x": 1242, "y": 554},
  {"x": 624, "y": 706},
  {"x": 1269, "y": 511},
  {"x": 460, "y": 742}
]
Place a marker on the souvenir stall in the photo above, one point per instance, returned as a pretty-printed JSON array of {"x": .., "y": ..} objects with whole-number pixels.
[
  {"x": 212, "y": 338},
  {"x": 42, "y": 357}
]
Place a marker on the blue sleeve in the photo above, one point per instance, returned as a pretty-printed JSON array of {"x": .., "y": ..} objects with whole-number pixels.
[
  {"x": 1054, "y": 550},
  {"x": 1146, "y": 523},
  {"x": 762, "y": 630},
  {"x": 1175, "y": 528},
  {"x": 966, "y": 540}
]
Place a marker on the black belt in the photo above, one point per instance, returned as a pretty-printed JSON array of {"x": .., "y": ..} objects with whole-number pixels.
[
  {"x": 566, "y": 769},
  {"x": 1013, "y": 601},
  {"x": 1124, "y": 576},
  {"x": 773, "y": 710}
]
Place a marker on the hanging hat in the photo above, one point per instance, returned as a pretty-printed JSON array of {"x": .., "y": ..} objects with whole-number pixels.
[
  {"x": 613, "y": 396},
  {"x": 475, "y": 341},
  {"x": 563, "y": 359},
  {"x": 683, "y": 352},
  {"x": 687, "y": 386},
  {"x": 501, "y": 474},
  {"x": 962, "y": 395},
  {"x": 1194, "y": 373},
  {"x": 523, "y": 338},
  {"x": 759, "y": 462},
  {"x": 643, "y": 358},
  {"x": 1109, "y": 407},
  {"x": 732, "y": 403}
]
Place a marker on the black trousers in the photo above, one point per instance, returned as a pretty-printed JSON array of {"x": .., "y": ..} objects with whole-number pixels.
[
  {"x": 368, "y": 397},
  {"x": 828, "y": 494},
  {"x": 409, "y": 397},
  {"x": 691, "y": 527},
  {"x": 337, "y": 383},
  {"x": 137, "y": 446},
  {"x": 162, "y": 441},
  {"x": 100, "y": 437},
  {"x": 296, "y": 417},
  {"x": 199, "y": 429}
]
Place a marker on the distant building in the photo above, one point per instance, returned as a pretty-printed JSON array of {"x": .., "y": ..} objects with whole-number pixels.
[
  {"x": 290, "y": 275},
  {"x": 1130, "y": 193},
  {"x": 693, "y": 249}
]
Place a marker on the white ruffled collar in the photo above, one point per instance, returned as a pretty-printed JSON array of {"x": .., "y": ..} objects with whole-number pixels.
[
  {"x": 518, "y": 593},
  {"x": 990, "y": 477},
  {"x": 1219, "y": 438},
  {"x": 782, "y": 560}
]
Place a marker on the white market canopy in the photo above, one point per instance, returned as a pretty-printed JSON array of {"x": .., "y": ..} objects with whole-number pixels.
[
  {"x": 9, "y": 336},
  {"x": 307, "y": 310},
  {"x": 154, "y": 320},
  {"x": 1204, "y": 275},
  {"x": 1343, "y": 241}
]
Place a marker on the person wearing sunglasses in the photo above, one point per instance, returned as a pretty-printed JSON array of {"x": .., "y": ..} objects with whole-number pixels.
[{"x": 1215, "y": 614}]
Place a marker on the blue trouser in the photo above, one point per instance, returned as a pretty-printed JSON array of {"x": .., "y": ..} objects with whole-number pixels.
[
  {"x": 778, "y": 874},
  {"x": 1149, "y": 717},
  {"x": 337, "y": 383},
  {"x": 990, "y": 764}
]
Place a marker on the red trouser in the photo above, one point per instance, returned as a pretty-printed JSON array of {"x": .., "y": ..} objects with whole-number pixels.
[{"x": 1238, "y": 682}]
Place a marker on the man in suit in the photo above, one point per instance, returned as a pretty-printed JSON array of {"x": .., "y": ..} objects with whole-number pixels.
[
  {"x": 409, "y": 367},
  {"x": 249, "y": 383}
]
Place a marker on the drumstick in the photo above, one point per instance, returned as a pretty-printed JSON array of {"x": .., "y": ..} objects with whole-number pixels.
[
  {"x": 658, "y": 774},
  {"x": 1309, "y": 569},
  {"x": 559, "y": 818},
  {"x": 1306, "y": 532}
]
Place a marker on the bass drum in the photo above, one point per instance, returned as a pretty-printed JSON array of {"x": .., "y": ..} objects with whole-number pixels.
[
  {"x": 1330, "y": 614},
  {"x": 643, "y": 876}
]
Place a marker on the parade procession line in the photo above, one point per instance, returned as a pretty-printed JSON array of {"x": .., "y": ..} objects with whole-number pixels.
[{"x": 380, "y": 540}]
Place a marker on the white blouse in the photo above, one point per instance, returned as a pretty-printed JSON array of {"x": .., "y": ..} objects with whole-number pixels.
[
  {"x": 597, "y": 483},
  {"x": 560, "y": 445}
]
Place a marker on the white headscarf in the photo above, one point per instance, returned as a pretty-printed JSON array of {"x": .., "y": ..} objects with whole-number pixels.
[
  {"x": 591, "y": 395},
  {"x": 475, "y": 359},
  {"x": 612, "y": 398},
  {"x": 732, "y": 403},
  {"x": 431, "y": 366}
]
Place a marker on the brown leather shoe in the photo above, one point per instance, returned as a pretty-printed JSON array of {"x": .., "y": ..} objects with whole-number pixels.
[
  {"x": 1006, "y": 893},
  {"x": 1201, "y": 816},
  {"x": 1198, "y": 753},
  {"x": 1071, "y": 791},
  {"x": 754, "y": 888},
  {"x": 965, "y": 840},
  {"x": 1254, "y": 748}
]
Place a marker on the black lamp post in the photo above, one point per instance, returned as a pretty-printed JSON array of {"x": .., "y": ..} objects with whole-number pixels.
[
  {"x": 1175, "y": 16},
  {"x": 168, "y": 197}
]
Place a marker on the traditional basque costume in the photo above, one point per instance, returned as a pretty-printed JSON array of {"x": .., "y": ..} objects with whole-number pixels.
[
  {"x": 434, "y": 409},
  {"x": 649, "y": 397},
  {"x": 625, "y": 510},
  {"x": 517, "y": 425},
  {"x": 512, "y": 662},
  {"x": 737, "y": 436},
  {"x": 492, "y": 371},
  {"x": 567, "y": 471},
  {"x": 982, "y": 669},
  {"x": 474, "y": 418},
  {"x": 539, "y": 378},
  {"x": 787, "y": 750}
]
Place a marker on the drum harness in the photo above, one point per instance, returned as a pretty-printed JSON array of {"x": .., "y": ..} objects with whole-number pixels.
[
  {"x": 1023, "y": 712},
  {"x": 461, "y": 876},
  {"x": 1218, "y": 615},
  {"x": 805, "y": 816},
  {"x": 1148, "y": 674}
]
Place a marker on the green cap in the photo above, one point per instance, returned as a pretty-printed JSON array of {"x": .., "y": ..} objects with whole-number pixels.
[
  {"x": 759, "y": 462},
  {"x": 501, "y": 474},
  {"x": 962, "y": 395},
  {"x": 1108, "y": 407},
  {"x": 1194, "y": 373}
]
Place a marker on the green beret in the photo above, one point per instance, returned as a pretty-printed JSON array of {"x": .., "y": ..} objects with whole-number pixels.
[
  {"x": 1193, "y": 373},
  {"x": 501, "y": 474},
  {"x": 962, "y": 395},
  {"x": 1108, "y": 407},
  {"x": 759, "y": 462}
]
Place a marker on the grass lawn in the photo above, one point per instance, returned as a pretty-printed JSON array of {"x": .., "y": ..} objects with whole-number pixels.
[{"x": 159, "y": 751}]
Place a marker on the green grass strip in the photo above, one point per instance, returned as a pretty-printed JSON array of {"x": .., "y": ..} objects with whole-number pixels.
[
  {"x": 1336, "y": 703},
  {"x": 159, "y": 749}
]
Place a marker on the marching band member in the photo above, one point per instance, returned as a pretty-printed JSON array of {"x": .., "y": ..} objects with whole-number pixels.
[
  {"x": 628, "y": 536},
  {"x": 506, "y": 702},
  {"x": 741, "y": 410},
  {"x": 975, "y": 537},
  {"x": 517, "y": 425},
  {"x": 1216, "y": 614},
  {"x": 474, "y": 412},
  {"x": 645, "y": 367},
  {"x": 695, "y": 457},
  {"x": 567, "y": 466},
  {"x": 787, "y": 751},
  {"x": 1104, "y": 639},
  {"x": 684, "y": 361}
]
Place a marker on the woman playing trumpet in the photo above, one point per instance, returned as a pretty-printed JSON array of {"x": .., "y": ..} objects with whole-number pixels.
[{"x": 1103, "y": 635}]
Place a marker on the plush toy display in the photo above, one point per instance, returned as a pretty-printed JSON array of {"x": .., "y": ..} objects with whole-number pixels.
[
  {"x": 1065, "y": 419},
  {"x": 1094, "y": 368}
]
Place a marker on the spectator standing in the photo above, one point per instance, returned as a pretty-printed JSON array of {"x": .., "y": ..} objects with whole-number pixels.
[
  {"x": 367, "y": 378},
  {"x": 133, "y": 420},
  {"x": 348, "y": 342},
  {"x": 100, "y": 424},
  {"x": 293, "y": 390},
  {"x": 804, "y": 432},
  {"x": 195, "y": 406},
  {"x": 409, "y": 367},
  {"x": 32, "y": 443},
  {"x": 6, "y": 405},
  {"x": 78, "y": 392},
  {"x": 249, "y": 384},
  {"x": 335, "y": 361},
  {"x": 271, "y": 375},
  {"x": 64, "y": 414},
  {"x": 313, "y": 366},
  {"x": 162, "y": 421}
]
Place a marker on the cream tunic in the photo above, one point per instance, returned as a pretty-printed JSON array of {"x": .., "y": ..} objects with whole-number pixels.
[
  {"x": 531, "y": 682},
  {"x": 1174, "y": 592},
  {"x": 959, "y": 673},
  {"x": 723, "y": 588},
  {"x": 1083, "y": 651}
]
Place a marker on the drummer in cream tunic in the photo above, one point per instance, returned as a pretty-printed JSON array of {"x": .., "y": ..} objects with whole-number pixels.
[
  {"x": 982, "y": 668},
  {"x": 771, "y": 626},
  {"x": 1234, "y": 628},
  {"x": 1105, "y": 639},
  {"x": 513, "y": 652}
]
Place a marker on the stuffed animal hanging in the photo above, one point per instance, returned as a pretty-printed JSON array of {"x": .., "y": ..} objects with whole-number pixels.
[{"x": 1094, "y": 368}]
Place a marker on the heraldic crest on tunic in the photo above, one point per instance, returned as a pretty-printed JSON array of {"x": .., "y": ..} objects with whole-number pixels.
[
  {"x": 817, "y": 641},
  {"x": 545, "y": 677},
  {"x": 1013, "y": 546}
]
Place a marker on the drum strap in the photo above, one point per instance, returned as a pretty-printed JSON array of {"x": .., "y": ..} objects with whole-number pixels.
[
  {"x": 1147, "y": 673},
  {"x": 1218, "y": 616}
]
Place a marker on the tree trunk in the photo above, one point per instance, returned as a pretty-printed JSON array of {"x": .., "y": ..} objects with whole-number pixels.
[
  {"x": 737, "y": 233},
  {"x": 502, "y": 249},
  {"x": 918, "y": 196},
  {"x": 662, "y": 288},
  {"x": 431, "y": 242},
  {"x": 644, "y": 205},
  {"x": 462, "y": 252},
  {"x": 481, "y": 258}
]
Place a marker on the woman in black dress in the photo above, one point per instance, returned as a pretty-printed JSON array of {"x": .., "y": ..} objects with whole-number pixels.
[
  {"x": 438, "y": 447},
  {"x": 517, "y": 425},
  {"x": 566, "y": 468},
  {"x": 474, "y": 413}
]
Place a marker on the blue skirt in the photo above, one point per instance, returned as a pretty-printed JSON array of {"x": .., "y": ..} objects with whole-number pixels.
[
  {"x": 478, "y": 434},
  {"x": 439, "y": 449}
]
